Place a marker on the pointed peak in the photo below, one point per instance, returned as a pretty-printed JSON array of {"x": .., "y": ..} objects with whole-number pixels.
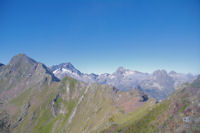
[
  {"x": 21, "y": 58},
  {"x": 172, "y": 72},
  {"x": 120, "y": 69},
  {"x": 21, "y": 63},
  {"x": 93, "y": 75},
  {"x": 68, "y": 64},
  {"x": 21, "y": 54},
  {"x": 160, "y": 71},
  {"x": 105, "y": 74}
]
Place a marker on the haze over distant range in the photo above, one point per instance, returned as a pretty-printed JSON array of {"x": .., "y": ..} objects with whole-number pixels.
[
  {"x": 135, "y": 66},
  {"x": 100, "y": 36}
]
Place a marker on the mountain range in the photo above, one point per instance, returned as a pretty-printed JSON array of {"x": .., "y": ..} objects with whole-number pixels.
[
  {"x": 159, "y": 84},
  {"x": 34, "y": 100}
]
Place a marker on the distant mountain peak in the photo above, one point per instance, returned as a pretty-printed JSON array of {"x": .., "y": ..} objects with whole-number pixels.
[
  {"x": 172, "y": 73},
  {"x": 93, "y": 74},
  {"x": 126, "y": 72},
  {"x": 160, "y": 71},
  {"x": 67, "y": 65},
  {"x": 159, "y": 83},
  {"x": 160, "y": 74},
  {"x": 121, "y": 70}
]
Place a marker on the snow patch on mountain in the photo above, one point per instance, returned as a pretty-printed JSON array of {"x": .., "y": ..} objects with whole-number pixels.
[{"x": 159, "y": 84}]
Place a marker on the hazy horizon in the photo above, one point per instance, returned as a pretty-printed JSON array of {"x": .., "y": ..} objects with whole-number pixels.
[
  {"x": 114, "y": 70},
  {"x": 98, "y": 37}
]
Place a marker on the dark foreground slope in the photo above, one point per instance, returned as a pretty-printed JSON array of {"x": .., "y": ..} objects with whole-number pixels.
[
  {"x": 33, "y": 100},
  {"x": 180, "y": 113}
]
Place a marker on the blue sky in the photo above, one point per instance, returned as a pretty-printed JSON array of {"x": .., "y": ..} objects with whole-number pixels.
[{"x": 100, "y": 35}]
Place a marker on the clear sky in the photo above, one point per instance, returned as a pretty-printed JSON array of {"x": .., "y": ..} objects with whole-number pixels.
[{"x": 100, "y": 35}]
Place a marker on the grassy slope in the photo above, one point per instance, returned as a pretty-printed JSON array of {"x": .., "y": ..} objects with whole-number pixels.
[
  {"x": 168, "y": 115},
  {"x": 97, "y": 111},
  {"x": 40, "y": 118}
]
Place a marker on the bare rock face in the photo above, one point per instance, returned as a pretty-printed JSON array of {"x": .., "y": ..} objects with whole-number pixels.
[
  {"x": 144, "y": 98},
  {"x": 23, "y": 114},
  {"x": 64, "y": 68},
  {"x": 128, "y": 101},
  {"x": 159, "y": 84},
  {"x": 162, "y": 78},
  {"x": 55, "y": 106},
  {"x": 123, "y": 79},
  {"x": 67, "y": 69},
  {"x": 4, "y": 122}
]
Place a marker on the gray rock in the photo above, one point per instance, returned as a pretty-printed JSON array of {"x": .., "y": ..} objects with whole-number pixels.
[
  {"x": 159, "y": 84},
  {"x": 55, "y": 106},
  {"x": 187, "y": 119},
  {"x": 23, "y": 114},
  {"x": 4, "y": 122}
]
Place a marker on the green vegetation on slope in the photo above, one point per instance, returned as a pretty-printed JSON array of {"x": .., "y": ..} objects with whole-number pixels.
[{"x": 179, "y": 113}]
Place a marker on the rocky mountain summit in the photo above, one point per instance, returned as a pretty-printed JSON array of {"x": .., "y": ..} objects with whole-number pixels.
[
  {"x": 159, "y": 84},
  {"x": 23, "y": 72},
  {"x": 67, "y": 69}
]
